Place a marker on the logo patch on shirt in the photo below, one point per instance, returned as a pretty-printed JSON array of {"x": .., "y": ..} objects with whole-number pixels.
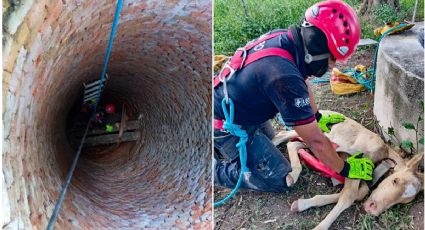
[{"x": 301, "y": 102}]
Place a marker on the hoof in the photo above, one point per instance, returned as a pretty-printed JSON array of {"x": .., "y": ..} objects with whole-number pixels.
[
  {"x": 294, "y": 207},
  {"x": 289, "y": 180}
]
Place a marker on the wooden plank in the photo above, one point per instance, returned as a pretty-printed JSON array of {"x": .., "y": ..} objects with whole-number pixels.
[
  {"x": 123, "y": 122},
  {"x": 92, "y": 93},
  {"x": 88, "y": 85},
  {"x": 94, "y": 88},
  {"x": 130, "y": 125},
  {"x": 111, "y": 138},
  {"x": 367, "y": 42}
]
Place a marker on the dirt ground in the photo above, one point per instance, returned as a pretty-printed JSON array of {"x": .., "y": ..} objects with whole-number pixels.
[{"x": 256, "y": 210}]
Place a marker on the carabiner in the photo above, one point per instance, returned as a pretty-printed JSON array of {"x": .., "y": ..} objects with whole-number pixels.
[
  {"x": 224, "y": 79},
  {"x": 244, "y": 55},
  {"x": 225, "y": 91}
]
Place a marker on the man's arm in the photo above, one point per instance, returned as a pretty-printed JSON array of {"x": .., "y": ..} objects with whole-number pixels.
[{"x": 320, "y": 145}]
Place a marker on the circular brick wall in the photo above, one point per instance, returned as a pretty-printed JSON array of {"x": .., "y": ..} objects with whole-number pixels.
[{"x": 160, "y": 67}]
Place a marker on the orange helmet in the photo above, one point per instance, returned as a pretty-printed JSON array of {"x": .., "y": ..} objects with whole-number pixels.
[{"x": 110, "y": 108}]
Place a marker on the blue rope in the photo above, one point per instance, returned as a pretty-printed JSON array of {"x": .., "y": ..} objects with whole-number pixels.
[
  {"x": 401, "y": 25},
  {"x": 369, "y": 83},
  {"x": 280, "y": 119},
  {"x": 324, "y": 79},
  {"x": 241, "y": 145},
  {"x": 361, "y": 78},
  {"x": 68, "y": 178},
  {"x": 108, "y": 51}
]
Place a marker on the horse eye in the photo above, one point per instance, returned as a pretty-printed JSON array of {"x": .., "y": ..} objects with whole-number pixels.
[{"x": 395, "y": 181}]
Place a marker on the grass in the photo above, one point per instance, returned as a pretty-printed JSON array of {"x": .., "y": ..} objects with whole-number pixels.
[
  {"x": 394, "y": 218},
  {"x": 408, "y": 5},
  {"x": 233, "y": 27},
  {"x": 302, "y": 224}
]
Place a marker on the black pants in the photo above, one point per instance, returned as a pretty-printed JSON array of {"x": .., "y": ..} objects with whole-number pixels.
[{"x": 268, "y": 167}]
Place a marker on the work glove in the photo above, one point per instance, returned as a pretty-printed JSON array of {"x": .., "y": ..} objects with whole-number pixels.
[
  {"x": 324, "y": 120},
  {"x": 358, "y": 167},
  {"x": 109, "y": 128}
]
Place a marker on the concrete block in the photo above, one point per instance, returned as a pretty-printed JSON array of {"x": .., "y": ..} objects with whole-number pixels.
[{"x": 400, "y": 83}]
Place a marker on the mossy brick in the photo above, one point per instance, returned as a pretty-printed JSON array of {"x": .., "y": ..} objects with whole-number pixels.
[
  {"x": 16, "y": 17},
  {"x": 9, "y": 63},
  {"x": 31, "y": 38},
  {"x": 6, "y": 79},
  {"x": 22, "y": 33},
  {"x": 6, "y": 5}
]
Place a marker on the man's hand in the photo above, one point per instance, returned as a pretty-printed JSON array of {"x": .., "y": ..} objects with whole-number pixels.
[
  {"x": 320, "y": 145},
  {"x": 324, "y": 120},
  {"x": 358, "y": 167}
]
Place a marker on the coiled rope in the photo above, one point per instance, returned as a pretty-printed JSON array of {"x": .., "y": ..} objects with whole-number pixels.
[
  {"x": 68, "y": 178},
  {"x": 241, "y": 145},
  {"x": 361, "y": 78}
]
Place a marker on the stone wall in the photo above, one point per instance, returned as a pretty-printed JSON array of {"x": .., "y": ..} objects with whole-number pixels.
[{"x": 160, "y": 67}]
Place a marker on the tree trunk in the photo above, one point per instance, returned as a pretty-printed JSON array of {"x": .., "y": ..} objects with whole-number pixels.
[{"x": 367, "y": 5}]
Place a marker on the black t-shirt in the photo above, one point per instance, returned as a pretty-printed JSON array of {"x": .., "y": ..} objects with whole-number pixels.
[{"x": 268, "y": 86}]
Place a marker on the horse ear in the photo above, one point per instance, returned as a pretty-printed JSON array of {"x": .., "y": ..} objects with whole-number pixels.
[{"x": 413, "y": 163}]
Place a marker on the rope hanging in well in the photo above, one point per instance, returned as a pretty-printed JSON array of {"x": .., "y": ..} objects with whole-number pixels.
[{"x": 68, "y": 178}]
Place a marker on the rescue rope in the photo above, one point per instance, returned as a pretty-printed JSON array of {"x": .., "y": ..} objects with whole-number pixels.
[
  {"x": 68, "y": 178},
  {"x": 369, "y": 83},
  {"x": 241, "y": 145},
  {"x": 282, "y": 122}
]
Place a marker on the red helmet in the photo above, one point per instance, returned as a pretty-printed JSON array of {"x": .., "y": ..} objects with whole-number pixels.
[
  {"x": 339, "y": 22},
  {"x": 110, "y": 108}
]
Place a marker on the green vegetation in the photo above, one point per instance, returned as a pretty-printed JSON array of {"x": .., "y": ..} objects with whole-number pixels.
[
  {"x": 408, "y": 5},
  {"x": 394, "y": 218},
  {"x": 234, "y": 27},
  {"x": 386, "y": 13},
  {"x": 409, "y": 145}
]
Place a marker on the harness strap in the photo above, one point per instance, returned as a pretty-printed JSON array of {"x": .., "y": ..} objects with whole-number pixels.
[
  {"x": 218, "y": 124},
  {"x": 381, "y": 170},
  {"x": 241, "y": 59},
  {"x": 262, "y": 39},
  {"x": 252, "y": 58},
  {"x": 268, "y": 52}
]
